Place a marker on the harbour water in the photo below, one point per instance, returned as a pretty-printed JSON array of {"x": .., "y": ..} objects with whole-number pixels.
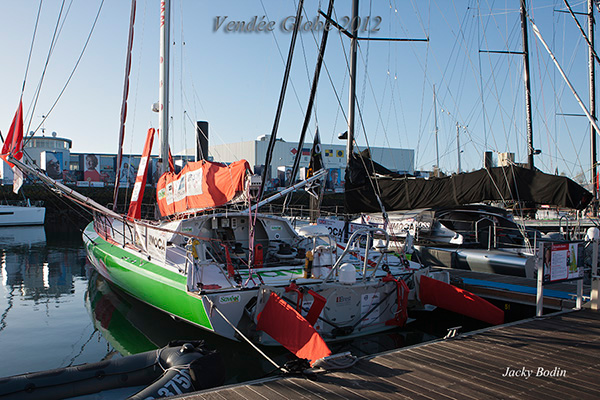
[{"x": 56, "y": 311}]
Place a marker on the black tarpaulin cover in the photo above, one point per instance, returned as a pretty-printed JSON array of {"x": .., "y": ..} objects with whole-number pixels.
[{"x": 399, "y": 192}]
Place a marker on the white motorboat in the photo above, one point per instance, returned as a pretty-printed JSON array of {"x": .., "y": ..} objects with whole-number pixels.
[{"x": 19, "y": 215}]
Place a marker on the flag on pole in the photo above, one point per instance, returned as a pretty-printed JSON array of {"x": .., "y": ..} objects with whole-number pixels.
[
  {"x": 314, "y": 165},
  {"x": 171, "y": 164},
  {"x": 13, "y": 145}
]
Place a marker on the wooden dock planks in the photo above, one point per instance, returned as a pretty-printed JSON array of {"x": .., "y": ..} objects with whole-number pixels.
[{"x": 470, "y": 366}]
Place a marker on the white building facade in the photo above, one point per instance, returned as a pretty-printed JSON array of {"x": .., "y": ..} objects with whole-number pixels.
[{"x": 334, "y": 158}]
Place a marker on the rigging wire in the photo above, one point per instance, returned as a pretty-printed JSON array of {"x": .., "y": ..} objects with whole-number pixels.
[
  {"x": 37, "y": 20},
  {"x": 282, "y": 58},
  {"x": 69, "y": 78},
  {"x": 498, "y": 92},
  {"x": 558, "y": 104},
  {"x": 481, "y": 78},
  {"x": 181, "y": 80},
  {"x": 38, "y": 89}
]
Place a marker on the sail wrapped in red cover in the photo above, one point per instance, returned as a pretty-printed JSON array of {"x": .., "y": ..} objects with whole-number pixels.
[{"x": 200, "y": 185}]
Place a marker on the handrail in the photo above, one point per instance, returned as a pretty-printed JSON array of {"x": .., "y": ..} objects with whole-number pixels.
[
  {"x": 369, "y": 231},
  {"x": 489, "y": 231},
  {"x": 567, "y": 235}
]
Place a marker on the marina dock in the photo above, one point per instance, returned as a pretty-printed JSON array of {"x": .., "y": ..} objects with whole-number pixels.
[{"x": 554, "y": 357}]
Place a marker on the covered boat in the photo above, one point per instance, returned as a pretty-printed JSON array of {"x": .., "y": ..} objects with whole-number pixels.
[
  {"x": 448, "y": 229},
  {"x": 512, "y": 183}
]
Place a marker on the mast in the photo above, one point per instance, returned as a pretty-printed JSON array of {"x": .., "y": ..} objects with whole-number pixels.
[
  {"x": 458, "y": 147},
  {"x": 592, "y": 84},
  {"x": 313, "y": 91},
  {"x": 352, "y": 100},
  {"x": 124, "y": 105},
  {"x": 163, "y": 94},
  {"x": 530, "y": 150},
  {"x": 437, "y": 151},
  {"x": 286, "y": 76}
]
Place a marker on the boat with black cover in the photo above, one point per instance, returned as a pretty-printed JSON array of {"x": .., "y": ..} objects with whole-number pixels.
[{"x": 447, "y": 222}]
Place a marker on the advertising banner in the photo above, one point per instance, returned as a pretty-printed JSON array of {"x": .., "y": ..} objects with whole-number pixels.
[{"x": 562, "y": 261}]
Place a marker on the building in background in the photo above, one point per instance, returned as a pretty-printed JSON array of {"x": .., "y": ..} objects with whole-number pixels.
[
  {"x": 53, "y": 155},
  {"x": 334, "y": 159},
  {"x": 50, "y": 153}
]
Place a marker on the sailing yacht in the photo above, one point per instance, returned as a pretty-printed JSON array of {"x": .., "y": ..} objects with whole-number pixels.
[{"x": 247, "y": 275}]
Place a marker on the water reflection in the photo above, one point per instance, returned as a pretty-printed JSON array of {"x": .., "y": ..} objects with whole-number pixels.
[
  {"x": 131, "y": 326},
  {"x": 43, "y": 322},
  {"x": 36, "y": 270},
  {"x": 17, "y": 236}
]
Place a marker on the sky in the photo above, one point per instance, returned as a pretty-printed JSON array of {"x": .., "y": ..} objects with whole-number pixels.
[{"x": 233, "y": 79}]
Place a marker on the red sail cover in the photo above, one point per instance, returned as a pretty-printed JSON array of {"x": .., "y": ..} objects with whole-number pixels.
[
  {"x": 284, "y": 324},
  {"x": 451, "y": 298},
  {"x": 200, "y": 185}
]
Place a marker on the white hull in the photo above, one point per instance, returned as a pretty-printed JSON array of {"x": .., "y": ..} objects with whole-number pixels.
[
  {"x": 17, "y": 215},
  {"x": 188, "y": 287}
]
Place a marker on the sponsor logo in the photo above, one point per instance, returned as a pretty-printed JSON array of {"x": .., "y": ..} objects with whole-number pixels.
[
  {"x": 157, "y": 242},
  {"x": 234, "y": 298},
  {"x": 343, "y": 299}
]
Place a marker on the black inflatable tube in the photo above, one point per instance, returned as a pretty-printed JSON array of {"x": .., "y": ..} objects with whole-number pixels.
[{"x": 164, "y": 370}]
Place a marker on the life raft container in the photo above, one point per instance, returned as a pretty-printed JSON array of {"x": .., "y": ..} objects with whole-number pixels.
[{"x": 180, "y": 367}]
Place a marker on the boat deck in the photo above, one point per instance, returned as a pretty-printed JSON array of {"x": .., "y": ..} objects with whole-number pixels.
[{"x": 554, "y": 357}]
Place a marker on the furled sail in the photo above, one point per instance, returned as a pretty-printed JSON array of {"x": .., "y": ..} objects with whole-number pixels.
[
  {"x": 365, "y": 179},
  {"x": 200, "y": 185}
]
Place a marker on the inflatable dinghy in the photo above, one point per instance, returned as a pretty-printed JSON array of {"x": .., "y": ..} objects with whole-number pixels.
[{"x": 180, "y": 367}]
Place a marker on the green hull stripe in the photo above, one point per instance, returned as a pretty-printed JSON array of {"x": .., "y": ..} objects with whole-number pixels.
[{"x": 146, "y": 281}]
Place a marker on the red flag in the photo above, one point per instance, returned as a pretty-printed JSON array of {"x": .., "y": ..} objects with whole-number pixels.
[
  {"x": 14, "y": 139},
  {"x": 288, "y": 327},
  {"x": 135, "y": 207}
]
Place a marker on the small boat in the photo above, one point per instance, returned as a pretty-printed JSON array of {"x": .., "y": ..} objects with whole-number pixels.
[
  {"x": 21, "y": 214},
  {"x": 181, "y": 367}
]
